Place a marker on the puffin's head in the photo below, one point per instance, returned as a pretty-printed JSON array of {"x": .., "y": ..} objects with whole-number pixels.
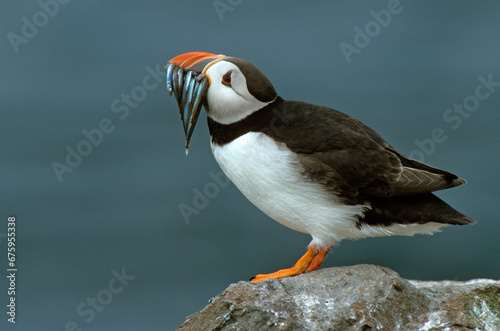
[{"x": 230, "y": 88}]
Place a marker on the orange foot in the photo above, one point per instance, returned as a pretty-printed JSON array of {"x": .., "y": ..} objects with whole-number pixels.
[{"x": 311, "y": 260}]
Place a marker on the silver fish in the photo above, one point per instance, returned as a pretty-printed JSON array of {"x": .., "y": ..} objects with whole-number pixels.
[
  {"x": 188, "y": 108},
  {"x": 199, "y": 94},
  {"x": 170, "y": 68},
  {"x": 179, "y": 83},
  {"x": 189, "y": 88}
]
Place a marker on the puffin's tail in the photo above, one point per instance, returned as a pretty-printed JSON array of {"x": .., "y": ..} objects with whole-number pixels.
[{"x": 412, "y": 209}]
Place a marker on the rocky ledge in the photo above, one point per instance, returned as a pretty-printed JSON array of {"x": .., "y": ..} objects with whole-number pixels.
[{"x": 361, "y": 297}]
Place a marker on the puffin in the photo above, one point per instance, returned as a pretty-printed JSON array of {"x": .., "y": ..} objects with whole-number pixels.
[{"x": 311, "y": 168}]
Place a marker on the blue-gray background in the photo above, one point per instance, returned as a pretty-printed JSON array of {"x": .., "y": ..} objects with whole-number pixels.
[{"x": 119, "y": 208}]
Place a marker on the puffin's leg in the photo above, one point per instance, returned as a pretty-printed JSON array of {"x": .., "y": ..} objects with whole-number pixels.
[
  {"x": 318, "y": 260},
  {"x": 311, "y": 260}
]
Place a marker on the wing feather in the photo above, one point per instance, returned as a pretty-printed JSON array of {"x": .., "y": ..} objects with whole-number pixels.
[{"x": 346, "y": 155}]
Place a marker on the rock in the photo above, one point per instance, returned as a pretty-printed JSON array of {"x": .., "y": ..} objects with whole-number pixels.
[{"x": 361, "y": 297}]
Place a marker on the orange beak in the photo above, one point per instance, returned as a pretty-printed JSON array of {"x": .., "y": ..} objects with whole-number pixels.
[{"x": 189, "y": 60}]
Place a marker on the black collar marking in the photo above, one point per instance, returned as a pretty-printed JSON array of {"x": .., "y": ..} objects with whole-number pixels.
[{"x": 262, "y": 120}]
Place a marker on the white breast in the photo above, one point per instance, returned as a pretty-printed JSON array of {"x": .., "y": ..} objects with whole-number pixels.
[{"x": 269, "y": 175}]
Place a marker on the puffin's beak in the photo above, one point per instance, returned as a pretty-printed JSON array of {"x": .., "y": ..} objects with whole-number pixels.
[{"x": 186, "y": 77}]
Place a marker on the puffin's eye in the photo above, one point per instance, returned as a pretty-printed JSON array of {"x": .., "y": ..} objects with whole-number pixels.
[{"x": 226, "y": 79}]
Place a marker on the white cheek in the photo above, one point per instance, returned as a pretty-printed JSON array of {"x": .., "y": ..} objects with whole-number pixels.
[
  {"x": 239, "y": 86},
  {"x": 229, "y": 104},
  {"x": 225, "y": 105},
  {"x": 223, "y": 98}
]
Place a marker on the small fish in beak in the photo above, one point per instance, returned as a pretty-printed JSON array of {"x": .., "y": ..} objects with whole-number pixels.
[
  {"x": 186, "y": 79},
  {"x": 189, "y": 89}
]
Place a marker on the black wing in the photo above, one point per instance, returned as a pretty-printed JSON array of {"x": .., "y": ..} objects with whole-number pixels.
[{"x": 346, "y": 155}]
